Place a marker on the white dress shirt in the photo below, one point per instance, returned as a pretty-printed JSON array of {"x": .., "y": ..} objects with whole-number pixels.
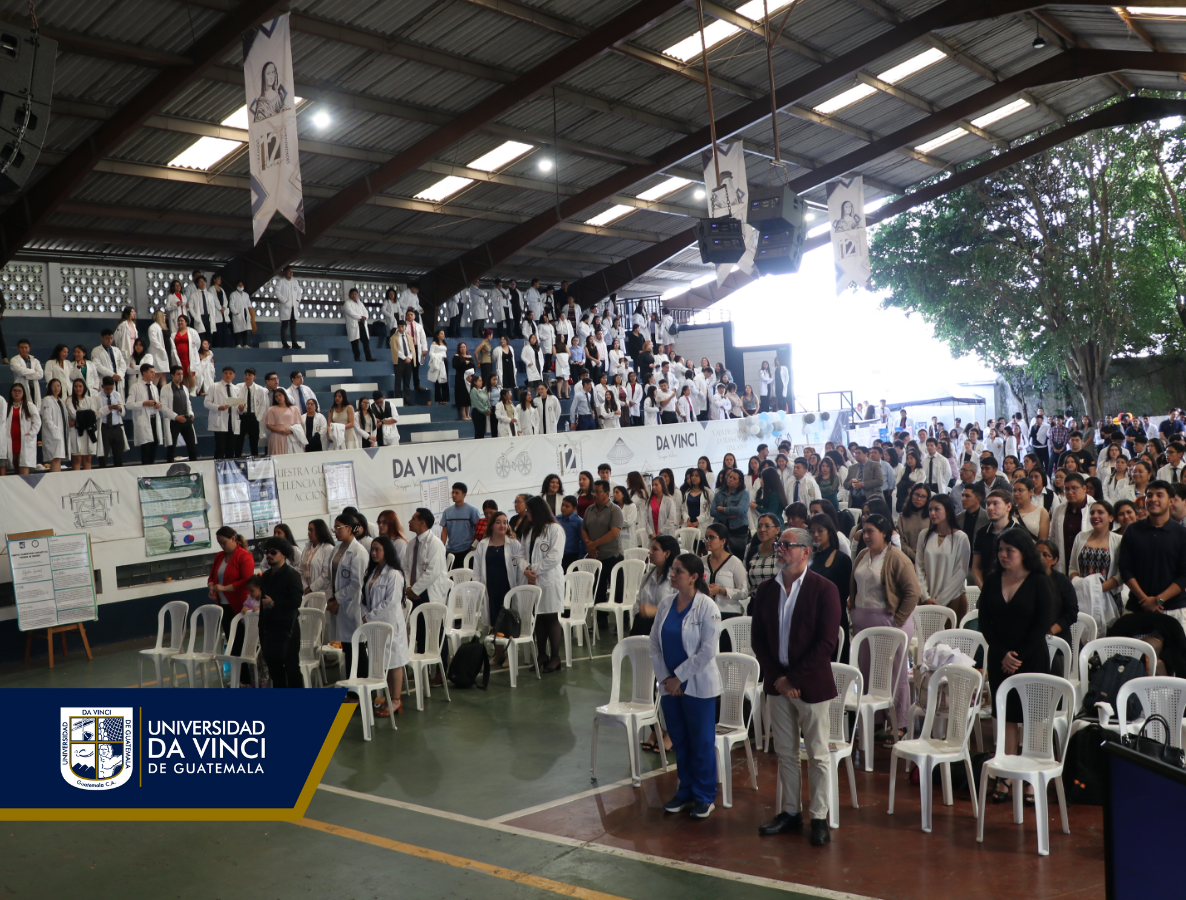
[{"x": 786, "y": 612}]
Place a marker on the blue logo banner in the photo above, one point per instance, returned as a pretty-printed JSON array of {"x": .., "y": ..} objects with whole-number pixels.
[{"x": 170, "y": 754}]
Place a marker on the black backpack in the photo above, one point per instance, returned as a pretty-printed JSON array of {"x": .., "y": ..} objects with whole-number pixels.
[
  {"x": 1084, "y": 768},
  {"x": 468, "y": 663},
  {"x": 1105, "y": 681},
  {"x": 674, "y": 329},
  {"x": 507, "y": 624}
]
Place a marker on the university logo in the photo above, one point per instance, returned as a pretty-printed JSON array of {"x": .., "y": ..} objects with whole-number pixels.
[{"x": 96, "y": 747}]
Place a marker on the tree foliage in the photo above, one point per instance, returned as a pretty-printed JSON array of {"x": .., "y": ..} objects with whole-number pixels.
[{"x": 1061, "y": 262}]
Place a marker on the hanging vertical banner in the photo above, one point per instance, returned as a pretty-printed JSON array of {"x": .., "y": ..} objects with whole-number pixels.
[
  {"x": 850, "y": 246},
  {"x": 727, "y": 195},
  {"x": 271, "y": 126}
]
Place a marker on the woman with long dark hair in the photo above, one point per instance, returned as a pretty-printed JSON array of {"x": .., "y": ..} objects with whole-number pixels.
[
  {"x": 21, "y": 428},
  {"x": 55, "y": 425},
  {"x": 828, "y": 479},
  {"x": 829, "y": 560},
  {"x": 661, "y": 514},
  {"x": 656, "y": 585},
  {"x": 315, "y": 557},
  {"x": 913, "y": 519},
  {"x": 731, "y": 509},
  {"x": 727, "y": 579},
  {"x": 771, "y": 496},
  {"x": 942, "y": 558},
  {"x": 383, "y": 601},
  {"x": 347, "y": 566},
  {"x": 462, "y": 362},
  {"x": 540, "y": 558},
  {"x": 684, "y": 640},
  {"x": 584, "y": 492},
  {"x": 552, "y": 492},
  {"x": 497, "y": 566}
]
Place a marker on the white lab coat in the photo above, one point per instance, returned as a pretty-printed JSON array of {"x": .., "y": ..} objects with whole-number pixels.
[
  {"x": 374, "y": 417},
  {"x": 391, "y": 313},
  {"x": 167, "y": 403},
  {"x": 318, "y": 576},
  {"x": 438, "y": 367},
  {"x": 533, "y": 362},
  {"x": 808, "y": 489},
  {"x": 142, "y": 416},
  {"x": 347, "y": 589},
  {"x": 548, "y": 412},
  {"x": 296, "y": 441},
  {"x": 511, "y": 550},
  {"x": 500, "y": 304},
  {"x": 533, "y": 301},
  {"x": 418, "y": 340},
  {"x": 408, "y": 300},
  {"x": 429, "y": 574},
  {"x": 669, "y": 516},
  {"x": 177, "y": 305},
  {"x": 527, "y": 420},
  {"x": 383, "y": 601},
  {"x": 544, "y": 556},
  {"x": 477, "y": 302},
  {"x": 767, "y": 379},
  {"x": 55, "y": 423},
  {"x": 28, "y": 373},
  {"x": 721, "y": 406},
  {"x": 30, "y": 427},
  {"x": 547, "y": 337},
  {"x": 942, "y": 471},
  {"x": 125, "y": 337},
  {"x": 320, "y": 427},
  {"x": 218, "y": 305},
  {"x": 77, "y": 444},
  {"x": 506, "y": 419},
  {"x": 240, "y": 311},
  {"x": 157, "y": 347},
  {"x": 203, "y": 303},
  {"x": 67, "y": 372},
  {"x": 223, "y": 394},
  {"x": 289, "y": 294},
  {"x": 1057, "y": 517},
  {"x": 496, "y": 356},
  {"x": 102, "y": 362},
  {"x": 352, "y": 311},
  {"x": 204, "y": 372},
  {"x": 297, "y": 396},
  {"x": 700, "y": 634}
]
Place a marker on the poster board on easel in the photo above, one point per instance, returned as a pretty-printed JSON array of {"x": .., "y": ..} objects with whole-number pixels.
[{"x": 53, "y": 579}]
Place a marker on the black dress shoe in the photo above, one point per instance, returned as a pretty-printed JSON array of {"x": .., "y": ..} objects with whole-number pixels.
[
  {"x": 781, "y": 824},
  {"x": 820, "y": 832}
]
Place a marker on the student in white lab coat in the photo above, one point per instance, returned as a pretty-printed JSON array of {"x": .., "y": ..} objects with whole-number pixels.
[
  {"x": 90, "y": 442},
  {"x": 533, "y": 300},
  {"x": 60, "y": 367},
  {"x": 202, "y": 304},
  {"x": 348, "y": 566},
  {"x": 314, "y": 561},
  {"x": 540, "y": 557},
  {"x": 138, "y": 357},
  {"x": 224, "y": 401},
  {"x": 547, "y": 410},
  {"x": 438, "y": 368},
  {"x": 204, "y": 373},
  {"x": 390, "y": 311},
  {"x": 109, "y": 359},
  {"x": 27, "y": 372},
  {"x": 55, "y": 425},
  {"x": 289, "y": 293},
  {"x": 22, "y": 455},
  {"x": 533, "y": 361},
  {"x": 505, "y": 415},
  {"x": 125, "y": 331},
  {"x": 478, "y": 304},
  {"x": 176, "y": 304},
  {"x": 502, "y": 358},
  {"x": 241, "y": 315},
  {"x": 383, "y": 588},
  {"x": 427, "y": 575},
  {"x": 410, "y": 299},
  {"x": 220, "y": 313},
  {"x": 382, "y": 420},
  {"x": 354, "y": 313},
  {"x": 316, "y": 428},
  {"x": 144, "y": 406},
  {"x": 158, "y": 347},
  {"x": 526, "y": 416}
]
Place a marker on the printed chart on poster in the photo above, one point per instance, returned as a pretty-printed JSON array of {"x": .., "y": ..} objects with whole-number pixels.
[
  {"x": 247, "y": 492},
  {"x": 174, "y": 512},
  {"x": 434, "y": 494},
  {"x": 341, "y": 490},
  {"x": 53, "y": 580}
]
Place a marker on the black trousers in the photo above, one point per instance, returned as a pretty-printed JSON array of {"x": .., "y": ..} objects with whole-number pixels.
[
  {"x": 440, "y": 392},
  {"x": 284, "y": 326},
  {"x": 361, "y": 344},
  {"x": 249, "y": 430},
  {"x": 478, "y": 327},
  {"x": 243, "y": 338},
  {"x": 224, "y": 444},
  {"x": 403, "y": 380},
  {"x": 222, "y": 334},
  {"x": 668, "y": 418},
  {"x": 347, "y": 653},
  {"x": 607, "y": 568},
  {"x": 479, "y": 423},
  {"x": 114, "y": 440},
  {"x": 455, "y": 326},
  {"x": 415, "y": 366},
  {"x": 148, "y": 453},
  {"x": 186, "y": 433}
]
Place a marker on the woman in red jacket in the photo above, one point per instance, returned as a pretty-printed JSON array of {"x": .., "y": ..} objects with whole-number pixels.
[{"x": 228, "y": 576}]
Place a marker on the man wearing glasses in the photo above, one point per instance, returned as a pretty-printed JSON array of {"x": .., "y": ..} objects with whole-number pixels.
[{"x": 796, "y": 618}]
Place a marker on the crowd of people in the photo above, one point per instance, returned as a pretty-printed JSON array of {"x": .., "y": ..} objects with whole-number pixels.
[{"x": 808, "y": 548}]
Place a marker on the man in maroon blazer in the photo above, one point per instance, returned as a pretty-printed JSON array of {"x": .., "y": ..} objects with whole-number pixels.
[{"x": 796, "y": 619}]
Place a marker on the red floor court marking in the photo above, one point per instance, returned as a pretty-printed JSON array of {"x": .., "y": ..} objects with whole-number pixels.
[{"x": 872, "y": 853}]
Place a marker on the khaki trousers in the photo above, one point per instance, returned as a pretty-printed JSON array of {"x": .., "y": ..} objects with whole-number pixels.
[{"x": 789, "y": 719}]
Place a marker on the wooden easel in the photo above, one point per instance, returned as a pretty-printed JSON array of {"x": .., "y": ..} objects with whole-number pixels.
[{"x": 56, "y": 629}]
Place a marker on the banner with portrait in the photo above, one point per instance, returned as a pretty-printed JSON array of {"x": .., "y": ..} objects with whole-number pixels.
[
  {"x": 725, "y": 182},
  {"x": 271, "y": 126},
  {"x": 850, "y": 244}
]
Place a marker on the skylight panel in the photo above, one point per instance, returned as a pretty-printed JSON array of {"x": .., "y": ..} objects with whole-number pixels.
[
  {"x": 500, "y": 156},
  {"x": 204, "y": 153},
  {"x": 664, "y": 188},
  {"x": 614, "y": 212},
  {"x": 719, "y": 30},
  {"x": 890, "y": 76},
  {"x": 1169, "y": 11},
  {"x": 980, "y": 122},
  {"x": 446, "y": 187}
]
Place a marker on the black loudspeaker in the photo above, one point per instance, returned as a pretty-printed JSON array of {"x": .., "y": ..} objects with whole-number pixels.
[
  {"x": 721, "y": 240},
  {"x": 776, "y": 204},
  {"x": 778, "y": 214},
  {"x": 26, "y": 90}
]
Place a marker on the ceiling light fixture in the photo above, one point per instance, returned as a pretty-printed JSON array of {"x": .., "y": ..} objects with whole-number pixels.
[
  {"x": 545, "y": 165},
  {"x": 321, "y": 119}
]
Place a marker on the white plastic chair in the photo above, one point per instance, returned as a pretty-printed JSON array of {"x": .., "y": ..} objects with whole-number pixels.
[
  {"x": 849, "y": 685},
  {"x": 641, "y": 553},
  {"x": 314, "y": 600},
  {"x": 739, "y": 677},
  {"x": 1083, "y": 632},
  {"x": 927, "y": 620},
  {"x": 973, "y": 594},
  {"x": 449, "y": 557},
  {"x": 377, "y": 636},
  {"x": 467, "y": 561},
  {"x": 962, "y": 686},
  {"x": 628, "y": 575},
  {"x": 524, "y": 600},
  {"x": 466, "y": 602},
  {"x": 435, "y": 616},
  {"x": 1106, "y": 648},
  {"x": 1160, "y": 695},
  {"x": 248, "y": 653},
  {"x": 740, "y": 630},
  {"x": 971, "y": 615},
  {"x": 578, "y": 600},
  {"x": 841, "y": 639},
  {"x": 312, "y": 623},
  {"x": 688, "y": 539},
  {"x": 210, "y": 618},
  {"x": 460, "y": 576},
  {"x": 885, "y": 642},
  {"x": 640, "y": 711},
  {"x": 592, "y": 566},
  {"x": 969, "y": 642},
  {"x": 175, "y": 611},
  {"x": 1040, "y": 760}
]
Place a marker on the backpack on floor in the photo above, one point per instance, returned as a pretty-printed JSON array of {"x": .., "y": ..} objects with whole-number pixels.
[
  {"x": 468, "y": 663},
  {"x": 1105, "y": 681},
  {"x": 1084, "y": 768}
]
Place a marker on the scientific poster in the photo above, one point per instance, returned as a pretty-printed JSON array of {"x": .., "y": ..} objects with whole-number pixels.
[
  {"x": 434, "y": 494},
  {"x": 173, "y": 508},
  {"x": 248, "y": 494},
  {"x": 340, "y": 488},
  {"x": 53, "y": 580}
]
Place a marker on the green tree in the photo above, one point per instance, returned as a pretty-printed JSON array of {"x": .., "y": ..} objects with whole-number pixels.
[{"x": 1059, "y": 262}]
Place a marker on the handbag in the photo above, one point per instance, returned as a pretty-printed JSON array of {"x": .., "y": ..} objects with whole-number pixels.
[
  {"x": 1151, "y": 747},
  {"x": 507, "y": 624}
]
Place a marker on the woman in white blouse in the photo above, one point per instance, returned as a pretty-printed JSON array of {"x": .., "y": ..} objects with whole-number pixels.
[
  {"x": 629, "y": 516},
  {"x": 561, "y": 360},
  {"x": 81, "y": 446},
  {"x": 315, "y": 557},
  {"x": 608, "y": 411},
  {"x": 728, "y": 579},
  {"x": 504, "y": 414},
  {"x": 1117, "y": 487},
  {"x": 204, "y": 373},
  {"x": 684, "y": 407},
  {"x": 941, "y": 562}
]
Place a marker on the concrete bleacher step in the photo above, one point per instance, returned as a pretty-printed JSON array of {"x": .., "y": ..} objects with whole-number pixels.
[
  {"x": 427, "y": 437},
  {"x": 415, "y": 419},
  {"x": 328, "y": 373},
  {"x": 306, "y": 358},
  {"x": 355, "y": 387}
]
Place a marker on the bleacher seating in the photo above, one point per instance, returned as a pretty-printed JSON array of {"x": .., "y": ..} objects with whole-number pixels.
[{"x": 326, "y": 360}]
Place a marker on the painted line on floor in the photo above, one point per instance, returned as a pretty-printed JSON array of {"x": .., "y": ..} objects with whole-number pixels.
[
  {"x": 622, "y": 853},
  {"x": 592, "y": 792},
  {"x": 461, "y": 862}
]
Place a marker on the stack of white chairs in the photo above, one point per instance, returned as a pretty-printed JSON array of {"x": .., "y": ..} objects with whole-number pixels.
[{"x": 209, "y": 617}]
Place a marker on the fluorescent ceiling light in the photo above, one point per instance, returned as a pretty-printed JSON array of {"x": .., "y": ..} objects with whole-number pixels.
[
  {"x": 614, "y": 212},
  {"x": 664, "y": 188},
  {"x": 893, "y": 75},
  {"x": 980, "y": 122},
  {"x": 448, "y": 186},
  {"x": 719, "y": 30},
  {"x": 1158, "y": 10},
  {"x": 204, "y": 152},
  {"x": 500, "y": 156}
]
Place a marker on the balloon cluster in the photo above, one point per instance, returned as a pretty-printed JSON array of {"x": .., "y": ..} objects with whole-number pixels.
[{"x": 765, "y": 424}]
